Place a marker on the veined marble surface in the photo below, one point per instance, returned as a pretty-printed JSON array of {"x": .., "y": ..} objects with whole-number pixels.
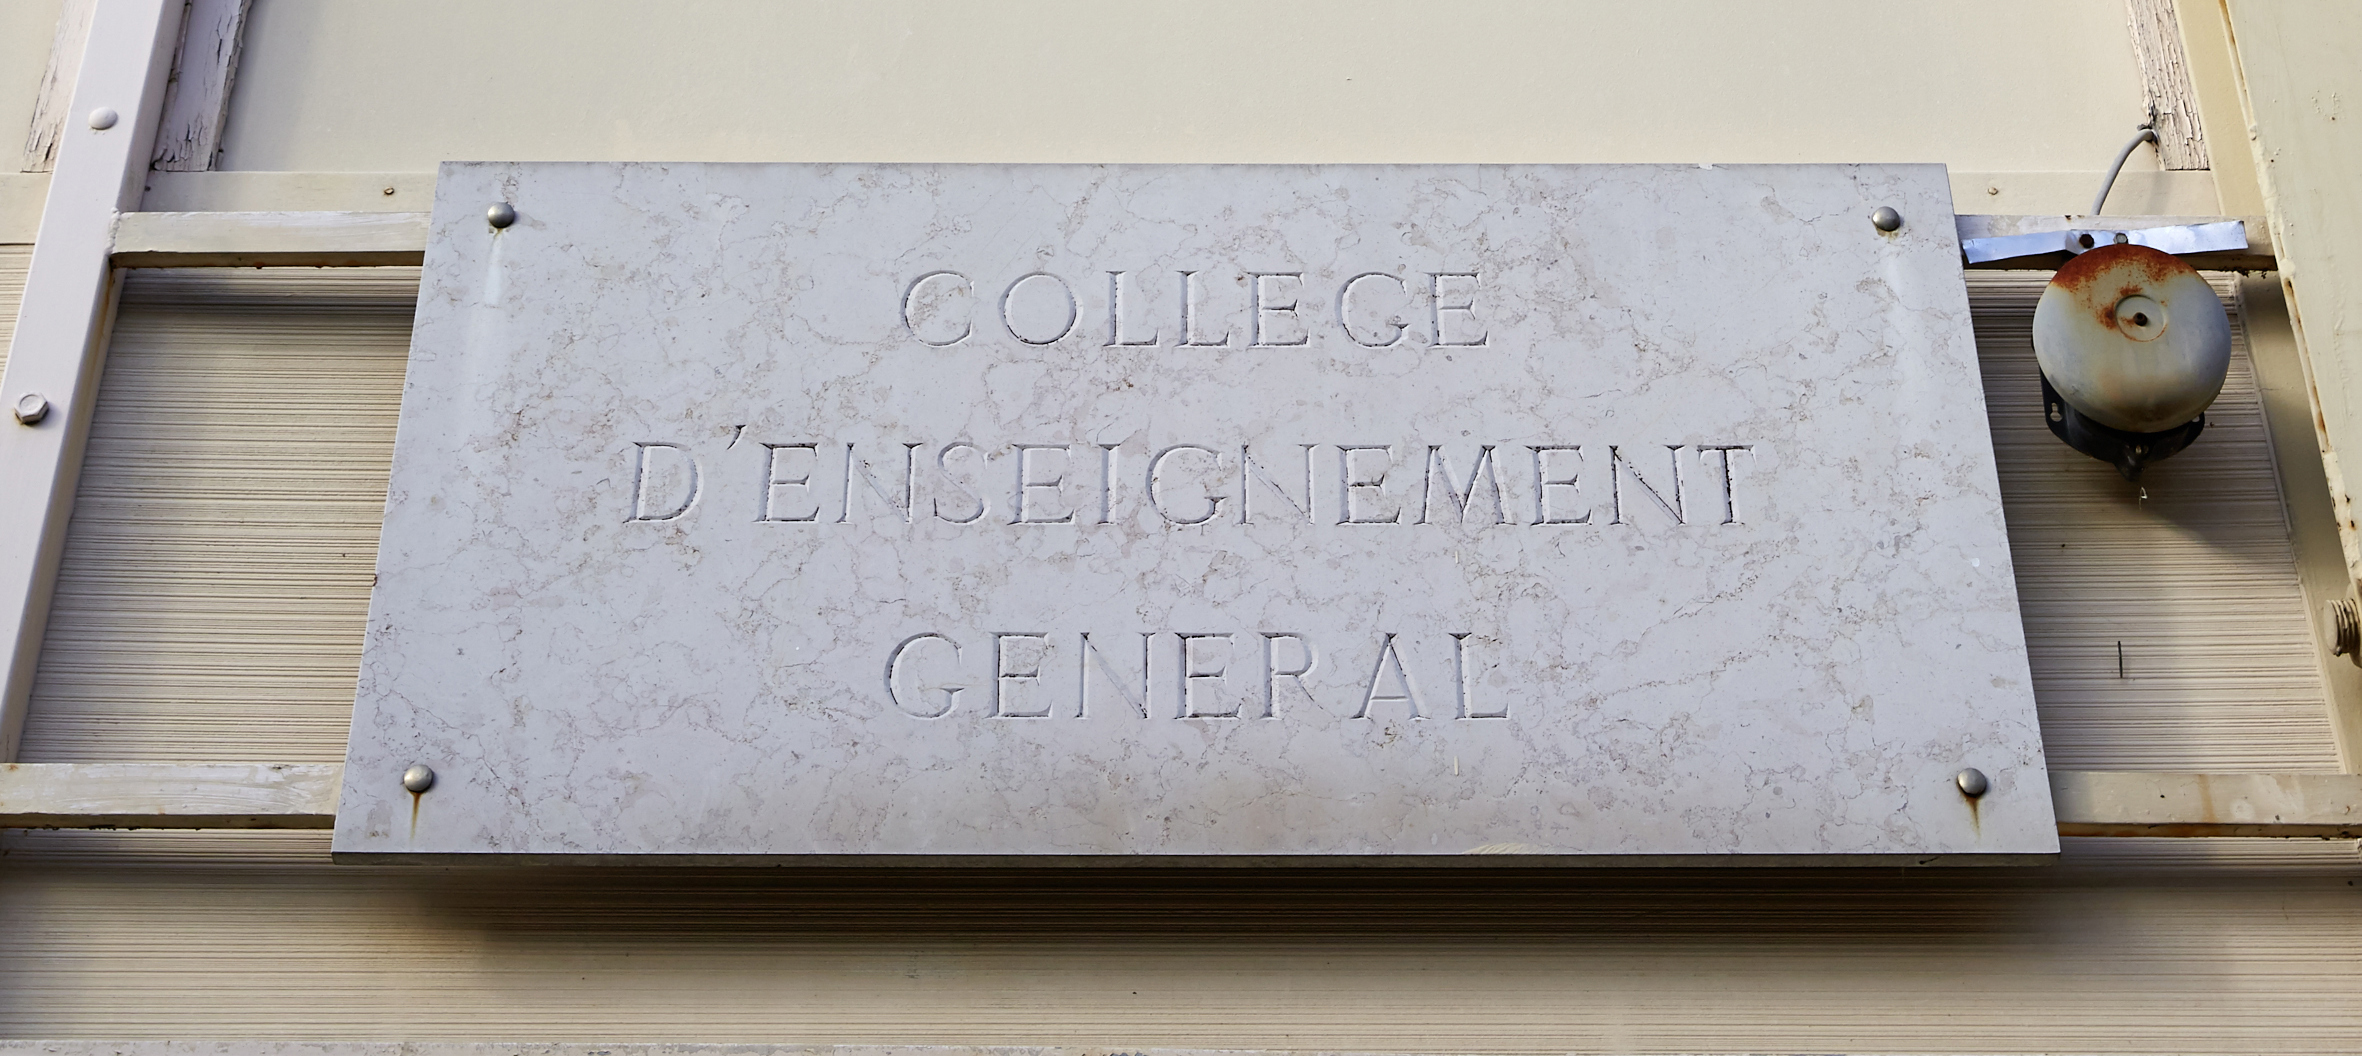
[{"x": 1172, "y": 513}]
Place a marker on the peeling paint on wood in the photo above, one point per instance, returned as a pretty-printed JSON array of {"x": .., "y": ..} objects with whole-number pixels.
[
  {"x": 57, "y": 84},
  {"x": 2165, "y": 79},
  {"x": 197, "y": 102}
]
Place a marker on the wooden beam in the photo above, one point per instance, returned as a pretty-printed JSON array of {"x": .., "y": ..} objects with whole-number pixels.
[
  {"x": 2294, "y": 64},
  {"x": 198, "y": 240},
  {"x": 197, "y": 102},
  {"x": 2258, "y": 256},
  {"x": 169, "y": 795},
  {"x": 2126, "y": 803}
]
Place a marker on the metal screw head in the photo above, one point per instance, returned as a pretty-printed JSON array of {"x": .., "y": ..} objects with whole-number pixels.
[
  {"x": 500, "y": 215},
  {"x": 1972, "y": 782},
  {"x": 104, "y": 118},
  {"x": 31, "y": 408},
  {"x": 418, "y": 778},
  {"x": 1885, "y": 218},
  {"x": 2345, "y": 623}
]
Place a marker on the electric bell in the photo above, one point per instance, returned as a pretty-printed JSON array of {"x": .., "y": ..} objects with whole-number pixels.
[{"x": 2133, "y": 345}]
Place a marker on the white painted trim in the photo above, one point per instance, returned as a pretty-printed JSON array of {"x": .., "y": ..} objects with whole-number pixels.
[
  {"x": 169, "y": 795},
  {"x": 2104, "y": 803},
  {"x": 348, "y": 239},
  {"x": 61, "y": 327}
]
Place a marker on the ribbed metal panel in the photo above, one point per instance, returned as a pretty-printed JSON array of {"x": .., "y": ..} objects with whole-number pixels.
[
  {"x": 169, "y": 935},
  {"x": 220, "y": 617},
  {"x": 216, "y": 573},
  {"x": 2191, "y": 573},
  {"x": 217, "y": 570},
  {"x": 12, "y": 291}
]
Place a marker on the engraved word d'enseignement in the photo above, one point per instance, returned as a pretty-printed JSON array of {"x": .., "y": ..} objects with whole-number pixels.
[{"x": 818, "y": 482}]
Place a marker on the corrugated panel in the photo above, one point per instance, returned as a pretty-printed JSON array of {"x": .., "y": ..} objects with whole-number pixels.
[
  {"x": 179, "y": 935},
  {"x": 12, "y": 291},
  {"x": 2196, "y": 582},
  {"x": 216, "y": 573}
]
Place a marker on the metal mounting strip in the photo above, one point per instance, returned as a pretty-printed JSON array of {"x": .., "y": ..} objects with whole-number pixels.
[
  {"x": 303, "y": 796},
  {"x": 366, "y": 239},
  {"x": 2208, "y": 243}
]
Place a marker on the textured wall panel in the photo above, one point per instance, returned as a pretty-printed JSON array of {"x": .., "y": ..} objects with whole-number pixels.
[
  {"x": 216, "y": 574},
  {"x": 2196, "y": 581},
  {"x": 194, "y": 935},
  {"x": 12, "y": 290}
]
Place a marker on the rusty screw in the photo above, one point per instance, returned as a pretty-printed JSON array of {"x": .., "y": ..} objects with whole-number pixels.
[
  {"x": 418, "y": 778},
  {"x": 1972, "y": 782},
  {"x": 1886, "y": 219},
  {"x": 500, "y": 215}
]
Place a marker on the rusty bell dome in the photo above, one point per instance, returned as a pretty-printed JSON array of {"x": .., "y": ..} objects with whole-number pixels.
[{"x": 2133, "y": 338}]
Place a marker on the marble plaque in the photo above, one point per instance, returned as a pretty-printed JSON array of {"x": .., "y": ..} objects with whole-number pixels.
[{"x": 1237, "y": 514}]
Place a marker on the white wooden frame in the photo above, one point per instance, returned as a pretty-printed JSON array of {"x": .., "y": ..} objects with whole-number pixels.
[{"x": 59, "y": 349}]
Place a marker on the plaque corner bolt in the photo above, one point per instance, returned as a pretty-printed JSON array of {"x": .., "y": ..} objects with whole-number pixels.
[
  {"x": 1972, "y": 782},
  {"x": 31, "y": 408},
  {"x": 1886, "y": 219},
  {"x": 418, "y": 778},
  {"x": 500, "y": 215}
]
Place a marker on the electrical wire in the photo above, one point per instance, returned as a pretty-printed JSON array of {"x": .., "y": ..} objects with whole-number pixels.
[{"x": 2145, "y": 135}]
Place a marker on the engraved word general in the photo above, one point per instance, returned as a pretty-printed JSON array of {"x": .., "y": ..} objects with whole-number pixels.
[{"x": 1045, "y": 674}]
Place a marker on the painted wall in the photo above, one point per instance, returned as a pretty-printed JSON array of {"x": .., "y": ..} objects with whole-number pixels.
[{"x": 1997, "y": 86}]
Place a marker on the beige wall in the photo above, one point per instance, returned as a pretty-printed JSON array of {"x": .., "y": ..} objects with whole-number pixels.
[{"x": 1992, "y": 86}]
